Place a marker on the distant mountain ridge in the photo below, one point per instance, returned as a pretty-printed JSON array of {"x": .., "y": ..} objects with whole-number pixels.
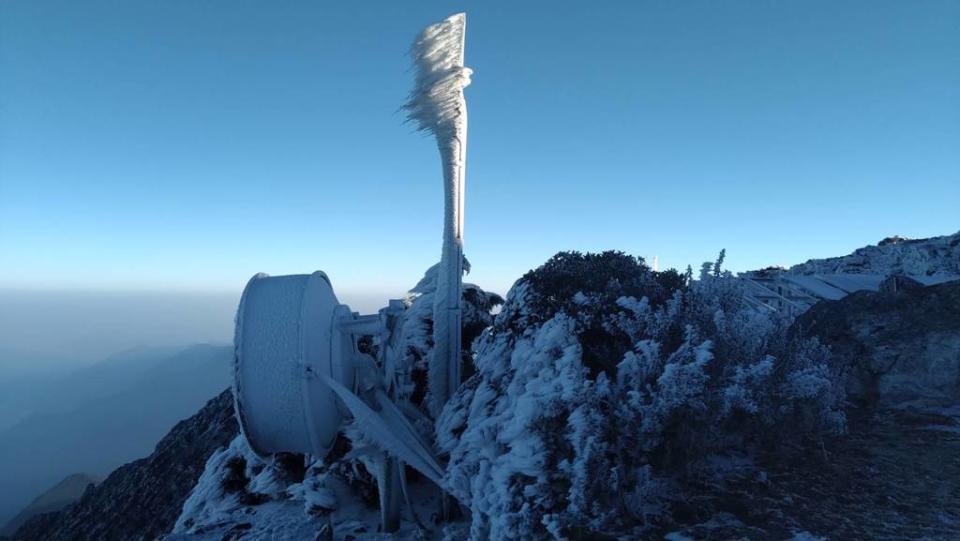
[
  {"x": 30, "y": 394},
  {"x": 59, "y": 496},
  {"x": 103, "y": 416},
  {"x": 142, "y": 499}
]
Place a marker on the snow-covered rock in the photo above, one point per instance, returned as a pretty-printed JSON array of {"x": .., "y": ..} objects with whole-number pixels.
[
  {"x": 922, "y": 261},
  {"x": 895, "y": 345},
  {"x": 894, "y": 255},
  {"x": 240, "y": 495}
]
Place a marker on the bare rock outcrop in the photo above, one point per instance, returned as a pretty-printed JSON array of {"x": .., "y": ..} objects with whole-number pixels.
[{"x": 896, "y": 345}]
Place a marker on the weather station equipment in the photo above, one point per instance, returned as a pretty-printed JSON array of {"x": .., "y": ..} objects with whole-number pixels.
[{"x": 299, "y": 372}]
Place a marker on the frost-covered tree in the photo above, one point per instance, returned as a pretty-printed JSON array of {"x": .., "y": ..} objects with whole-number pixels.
[
  {"x": 718, "y": 265},
  {"x": 416, "y": 332},
  {"x": 602, "y": 381}
]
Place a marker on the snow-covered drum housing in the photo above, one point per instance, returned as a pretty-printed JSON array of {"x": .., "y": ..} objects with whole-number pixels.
[{"x": 288, "y": 333}]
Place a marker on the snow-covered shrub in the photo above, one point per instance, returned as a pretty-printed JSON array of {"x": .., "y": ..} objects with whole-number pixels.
[
  {"x": 602, "y": 381},
  {"x": 584, "y": 286},
  {"x": 241, "y": 496},
  {"x": 416, "y": 330}
]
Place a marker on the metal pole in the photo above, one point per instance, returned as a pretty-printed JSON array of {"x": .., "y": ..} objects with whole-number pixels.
[{"x": 453, "y": 154}]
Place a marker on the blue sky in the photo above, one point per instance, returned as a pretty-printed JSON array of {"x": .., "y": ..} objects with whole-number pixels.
[{"x": 186, "y": 145}]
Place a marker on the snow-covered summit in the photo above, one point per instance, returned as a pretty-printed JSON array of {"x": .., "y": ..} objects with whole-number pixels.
[
  {"x": 925, "y": 261},
  {"x": 933, "y": 257},
  {"x": 607, "y": 400},
  {"x": 598, "y": 383}
]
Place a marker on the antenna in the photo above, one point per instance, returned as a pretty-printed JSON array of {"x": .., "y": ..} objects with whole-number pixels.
[
  {"x": 437, "y": 106},
  {"x": 298, "y": 370}
]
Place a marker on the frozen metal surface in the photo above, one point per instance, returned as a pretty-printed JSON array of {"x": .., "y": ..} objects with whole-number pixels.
[{"x": 284, "y": 337}]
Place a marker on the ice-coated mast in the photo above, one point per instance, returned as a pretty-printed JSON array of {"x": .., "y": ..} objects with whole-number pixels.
[
  {"x": 299, "y": 372},
  {"x": 437, "y": 105}
]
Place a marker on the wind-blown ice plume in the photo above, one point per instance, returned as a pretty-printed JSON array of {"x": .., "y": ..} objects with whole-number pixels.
[
  {"x": 437, "y": 106},
  {"x": 436, "y": 102}
]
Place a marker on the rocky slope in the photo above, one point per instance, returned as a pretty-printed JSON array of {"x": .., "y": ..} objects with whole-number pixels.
[
  {"x": 61, "y": 495},
  {"x": 894, "y": 477},
  {"x": 895, "y": 346},
  {"x": 101, "y": 417},
  {"x": 142, "y": 499},
  {"x": 896, "y": 474}
]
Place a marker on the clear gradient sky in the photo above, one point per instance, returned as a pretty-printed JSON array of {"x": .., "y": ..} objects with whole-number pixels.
[{"x": 185, "y": 145}]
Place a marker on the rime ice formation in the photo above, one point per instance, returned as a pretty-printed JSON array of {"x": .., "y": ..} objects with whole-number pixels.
[
  {"x": 305, "y": 363},
  {"x": 598, "y": 388},
  {"x": 436, "y": 103},
  {"x": 283, "y": 321},
  {"x": 437, "y": 106},
  {"x": 608, "y": 401},
  {"x": 601, "y": 384},
  {"x": 246, "y": 495}
]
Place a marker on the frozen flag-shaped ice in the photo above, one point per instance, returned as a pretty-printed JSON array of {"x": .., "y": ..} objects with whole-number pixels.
[
  {"x": 436, "y": 103},
  {"x": 437, "y": 106}
]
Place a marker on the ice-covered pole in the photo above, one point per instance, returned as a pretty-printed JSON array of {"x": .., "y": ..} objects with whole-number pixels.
[{"x": 437, "y": 105}]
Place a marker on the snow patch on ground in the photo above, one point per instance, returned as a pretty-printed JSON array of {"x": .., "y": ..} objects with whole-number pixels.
[{"x": 321, "y": 506}]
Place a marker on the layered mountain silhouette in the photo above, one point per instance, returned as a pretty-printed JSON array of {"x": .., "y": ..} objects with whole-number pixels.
[{"x": 103, "y": 416}]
